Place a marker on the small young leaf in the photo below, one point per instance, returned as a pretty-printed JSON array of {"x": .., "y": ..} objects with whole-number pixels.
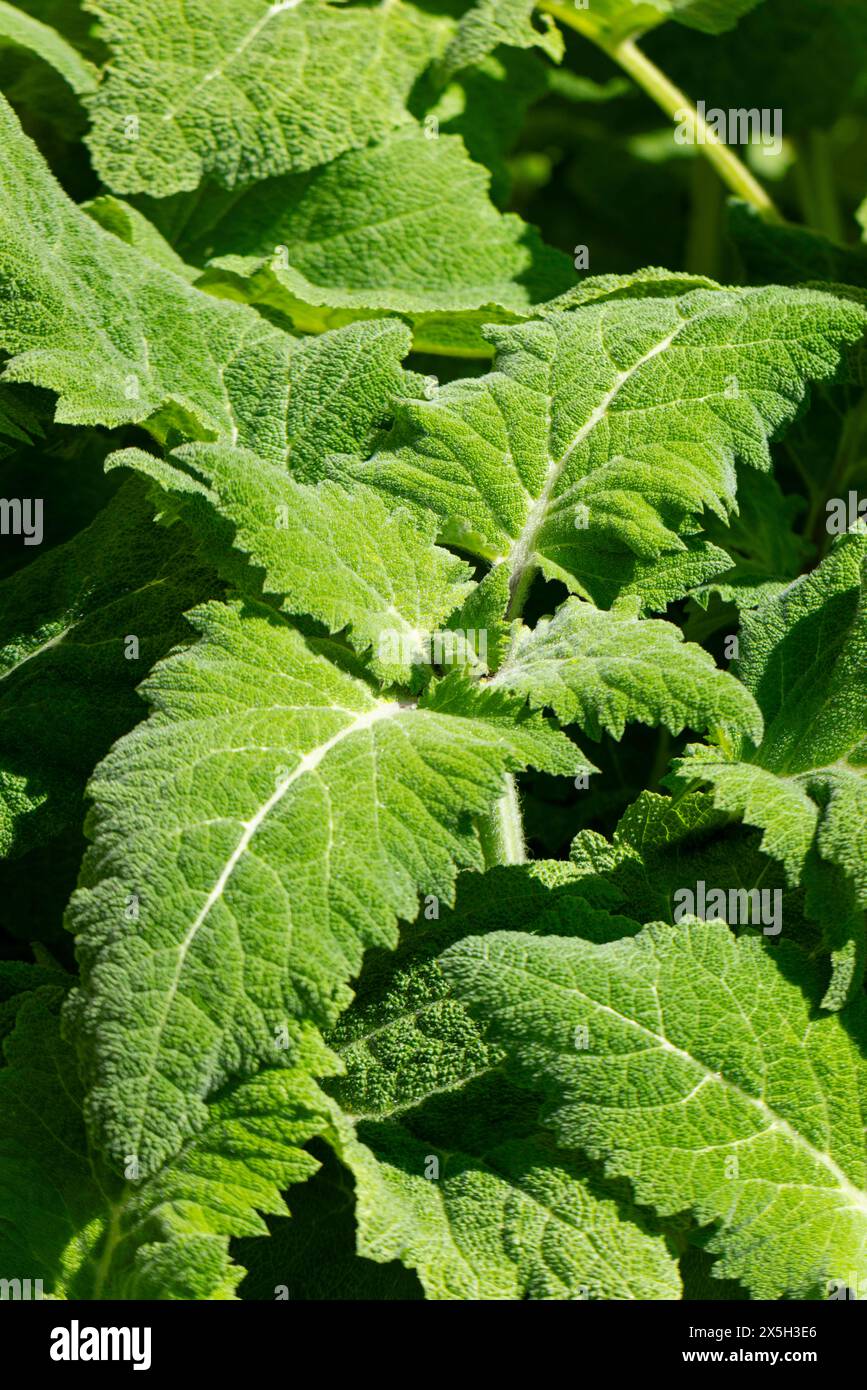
[{"x": 599, "y": 669}]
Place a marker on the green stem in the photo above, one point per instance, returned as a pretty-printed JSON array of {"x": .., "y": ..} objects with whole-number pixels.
[
  {"x": 705, "y": 222},
  {"x": 817, "y": 192},
  {"x": 625, "y": 52},
  {"x": 501, "y": 832}
]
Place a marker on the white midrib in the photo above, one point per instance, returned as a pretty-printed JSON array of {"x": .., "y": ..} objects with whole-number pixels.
[
  {"x": 37, "y": 651},
  {"x": 770, "y": 1117},
  {"x": 524, "y": 550},
  {"x": 250, "y": 37},
  {"x": 308, "y": 763}
]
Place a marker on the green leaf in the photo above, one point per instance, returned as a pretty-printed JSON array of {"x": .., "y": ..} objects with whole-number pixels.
[
  {"x": 709, "y": 1082},
  {"x": 406, "y": 226},
  {"x": 803, "y": 657},
  {"x": 22, "y": 31},
  {"x": 271, "y": 819},
  {"x": 89, "y": 1235},
  {"x": 386, "y": 580},
  {"x": 490, "y": 23},
  {"x": 131, "y": 226},
  {"x": 767, "y": 553},
  {"x": 69, "y": 19},
  {"x": 601, "y": 669},
  {"x": 615, "y": 20},
  {"x": 67, "y": 624},
  {"x": 604, "y": 431},
  {"x": 455, "y": 1174},
  {"x": 240, "y": 90},
  {"x": 663, "y": 845},
  {"x": 311, "y": 1255},
  {"x": 118, "y": 337}
]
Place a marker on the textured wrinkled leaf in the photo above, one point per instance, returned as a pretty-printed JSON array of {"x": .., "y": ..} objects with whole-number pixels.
[
  {"x": 68, "y": 672},
  {"x": 601, "y": 668},
  {"x": 386, "y": 581},
  {"x": 272, "y": 818},
  {"x": 506, "y": 1214},
  {"x": 90, "y": 1235},
  {"x": 602, "y": 432},
  {"x": 116, "y": 336},
  {"x": 405, "y": 226},
  {"x": 490, "y": 23},
  {"x": 239, "y": 90},
  {"x": 709, "y": 1082},
  {"x": 663, "y": 845}
]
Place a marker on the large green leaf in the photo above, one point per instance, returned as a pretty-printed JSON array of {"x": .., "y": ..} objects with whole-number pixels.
[
  {"x": 272, "y": 818},
  {"x": 244, "y": 89},
  {"x": 455, "y": 1174},
  {"x": 405, "y": 226},
  {"x": 88, "y": 1234},
  {"x": 697, "y": 1066},
  {"x": 603, "y": 431},
  {"x": 386, "y": 580},
  {"x": 600, "y": 668},
  {"x": 119, "y": 338}
]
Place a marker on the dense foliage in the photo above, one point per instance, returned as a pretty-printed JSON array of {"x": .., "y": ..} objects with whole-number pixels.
[{"x": 433, "y": 732}]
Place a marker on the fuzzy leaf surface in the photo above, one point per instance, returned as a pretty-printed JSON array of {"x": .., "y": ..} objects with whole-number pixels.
[
  {"x": 605, "y": 430},
  {"x": 710, "y": 1082},
  {"x": 117, "y": 337},
  {"x": 87, "y": 1234},
  {"x": 239, "y": 90},
  {"x": 509, "y": 1215},
  {"x": 406, "y": 226},
  {"x": 601, "y": 668},
  {"x": 273, "y": 818}
]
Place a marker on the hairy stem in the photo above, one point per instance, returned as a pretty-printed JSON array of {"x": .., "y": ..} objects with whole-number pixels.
[
  {"x": 675, "y": 103},
  {"x": 501, "y": 832}
]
